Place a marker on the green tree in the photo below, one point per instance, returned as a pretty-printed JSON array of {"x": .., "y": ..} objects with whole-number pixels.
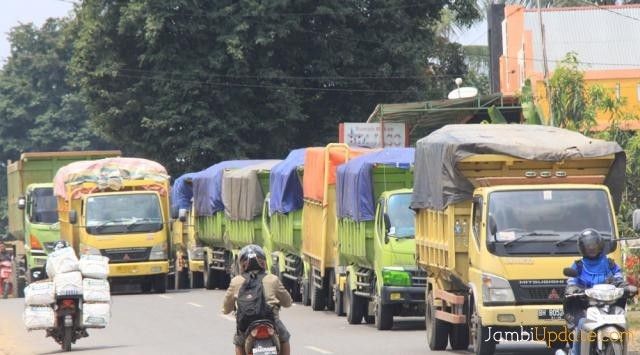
[{"x": 192, "y": 82}]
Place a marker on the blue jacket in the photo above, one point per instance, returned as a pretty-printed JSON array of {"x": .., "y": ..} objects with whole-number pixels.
[{"x": 593, "y": 272}]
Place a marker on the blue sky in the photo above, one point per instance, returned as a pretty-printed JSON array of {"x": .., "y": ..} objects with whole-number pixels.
[{"x": 15, "y": 12}]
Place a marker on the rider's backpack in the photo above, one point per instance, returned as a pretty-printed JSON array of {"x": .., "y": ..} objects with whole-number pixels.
[{"x": 251, "y": 305}]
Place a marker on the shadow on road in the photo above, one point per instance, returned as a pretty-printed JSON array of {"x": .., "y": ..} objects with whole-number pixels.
[{"x": 93, "y": 349}]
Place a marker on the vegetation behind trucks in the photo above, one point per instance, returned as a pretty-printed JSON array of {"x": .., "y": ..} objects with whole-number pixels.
[
  {"x": 377, "y": 269},
  {"x": 32, "y": 208},
  {"x": 499, "y": 209},
  {"x": 319, "y": 237},
  {"x": 118, "y": 208},
  {"x": 211, "y": 224}
]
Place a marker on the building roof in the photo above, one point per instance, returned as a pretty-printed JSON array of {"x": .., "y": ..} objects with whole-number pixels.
[{"x": 604, "y": 38}]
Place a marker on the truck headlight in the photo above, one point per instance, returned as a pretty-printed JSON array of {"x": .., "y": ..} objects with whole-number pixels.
[
  {"x": 195, "y": 252},
  {"x": 158, "y": 252},
  {"x": 496, "y": 290},
  {"x": 395, "y": 277},
  {"x": 88, "y": 250}
]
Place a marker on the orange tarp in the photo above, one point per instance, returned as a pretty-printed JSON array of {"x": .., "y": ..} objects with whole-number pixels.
[{"x": 314, "y": 163}]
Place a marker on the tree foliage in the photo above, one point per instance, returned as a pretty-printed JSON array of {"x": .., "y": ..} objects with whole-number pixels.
[{"x": 192, "y": 82}]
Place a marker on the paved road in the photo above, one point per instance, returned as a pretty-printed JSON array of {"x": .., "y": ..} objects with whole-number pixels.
[{"x": 189, "y": 322}]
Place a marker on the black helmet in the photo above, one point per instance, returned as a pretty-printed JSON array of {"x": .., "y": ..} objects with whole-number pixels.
[
  {"x": 252, "y": 257},
  {"x": 60, "y": 244},
  {"x": 590, "y": 243}
]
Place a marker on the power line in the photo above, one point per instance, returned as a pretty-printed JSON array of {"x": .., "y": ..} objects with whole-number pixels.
[{"x": 609, "y": 10}]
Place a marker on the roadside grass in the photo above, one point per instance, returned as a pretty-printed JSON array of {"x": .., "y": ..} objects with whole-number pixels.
[{"x": 633, "y": 319}]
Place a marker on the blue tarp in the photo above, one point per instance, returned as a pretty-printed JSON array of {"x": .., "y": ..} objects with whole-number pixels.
[
  {"x": 284, "y": 184},
  {"x": 181, "y": 194},
  {"x": 354, "y": 185},
  {"x": 207, "y": 186}
]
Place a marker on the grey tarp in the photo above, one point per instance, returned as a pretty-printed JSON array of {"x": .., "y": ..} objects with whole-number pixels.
[
  {"x": 437, "y": 182},
  {"x": 242, "y": 194}
]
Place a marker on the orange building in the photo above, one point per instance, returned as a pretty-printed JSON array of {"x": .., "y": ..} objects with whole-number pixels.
[{"x": 606, "y": 40}]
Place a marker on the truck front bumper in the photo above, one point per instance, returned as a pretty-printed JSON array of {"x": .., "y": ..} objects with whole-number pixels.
[
  {"x": 139, "y": 268},
  {"x": 402, "y": 295},
  {"x": 196, "y": 265},
  {"x": 540, "y": 315}
]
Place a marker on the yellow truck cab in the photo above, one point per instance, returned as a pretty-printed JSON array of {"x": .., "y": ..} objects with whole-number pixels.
[
  {"x": 499, "y": 209},
  {"x": 118, "y": 208}
]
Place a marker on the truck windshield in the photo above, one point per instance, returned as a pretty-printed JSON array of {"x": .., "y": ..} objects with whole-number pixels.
[
  {"x": 528, "y": 221},
  {"x": 401, "y": 216},
  {"x": 44, "y": 206},
  {"x": 127, "y": 213}
]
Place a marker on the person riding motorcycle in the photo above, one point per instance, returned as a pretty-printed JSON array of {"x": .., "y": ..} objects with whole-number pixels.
[
  {"x": 253, "y": 260},
  {"x": 60, "y": 244},
  {"x": 594, "y": 268},
  {"x": 5, "y": 284}
]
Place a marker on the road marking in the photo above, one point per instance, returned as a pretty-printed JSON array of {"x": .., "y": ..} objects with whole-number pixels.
[
  {"x": 165, "y": 297},
  {"x": 321, "y": 351},
  {"x": 195, "y": 304},
  {"x": 228, "y": 317}
]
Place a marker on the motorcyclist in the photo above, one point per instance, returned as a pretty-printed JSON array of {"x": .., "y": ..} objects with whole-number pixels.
[
  {"x": 594, "y": 268},
  {"x": 5, "y": 284},
  {"x": 253, "y": 260},
  {"x": 4, "y": 254},
  {"x": 60, "y": 244}
]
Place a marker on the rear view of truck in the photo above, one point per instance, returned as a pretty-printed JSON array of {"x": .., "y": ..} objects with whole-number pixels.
[
  {"x": 378, "y": 275},
  {"x": 32, "y": 207},
  {"x": 211, "y": 224},
  {"x": 320, "y": 242},
  {"x": 282, "y": 219},
  {"x": 499, "y": 209}
]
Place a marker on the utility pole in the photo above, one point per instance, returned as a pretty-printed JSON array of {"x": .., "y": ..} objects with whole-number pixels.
[{"x": 546, "y": 66}]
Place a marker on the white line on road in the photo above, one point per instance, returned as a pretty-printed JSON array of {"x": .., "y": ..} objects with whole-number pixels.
[
  {"x": 228, "y": 317},
  {"x": 165, "y": 297},
  {"x": 195, "y": 304},
  {"x": 321, "y": 351}
]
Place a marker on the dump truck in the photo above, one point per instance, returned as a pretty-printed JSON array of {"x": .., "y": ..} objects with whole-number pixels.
[
  {"x": 499, "y": 209},
  {"x": 32, "y": 208},
  {"x": 319, "y": 237},
  {"x": 227, "y": 206},
  {"x": 188, "y": 264},
  {"x": 118, "y": 208},
  {"x": 282, "y": 220},
  {"x": 377, "y": 273}
]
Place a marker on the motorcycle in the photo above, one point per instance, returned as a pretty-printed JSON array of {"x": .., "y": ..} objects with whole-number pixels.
[
  {"x": 605, "y": 327},
  {"x": 68, "y": 312},
  {"x": 261, "y": 338},
  {"x": 6, "y": 273}
]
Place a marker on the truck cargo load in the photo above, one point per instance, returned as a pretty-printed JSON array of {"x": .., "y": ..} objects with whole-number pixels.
[{"x": 499, "y": 209}]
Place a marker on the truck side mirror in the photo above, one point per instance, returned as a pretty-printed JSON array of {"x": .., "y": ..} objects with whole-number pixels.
[
  {"x": 636, "y": 220},
  {"x": 387, "y": 228},
  {"x": 22, "y": 202},
  {"x": 493, "y": 227},
  {"x": 182, "y": 215},
  {"x": 73, "y": 217}
]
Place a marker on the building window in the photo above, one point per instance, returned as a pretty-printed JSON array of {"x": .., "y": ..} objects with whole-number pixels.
[{"x": 618, "y": 91}]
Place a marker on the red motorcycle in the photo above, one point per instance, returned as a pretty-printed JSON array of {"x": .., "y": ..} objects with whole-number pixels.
[{"x": 6, "y": 275}]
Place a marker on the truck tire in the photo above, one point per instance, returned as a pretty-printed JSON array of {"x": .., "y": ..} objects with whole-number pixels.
[
  {"x": 355, "y": 306},
  {"x": 329, "y": 283},
  {"x": 437, "y": 330},
  {"x": 318, "y": 297},
  {"x": 384, "y": 315},
  {"x": 195, "y": 279},
  {"x": 208, "y": 276},
  {"x": 304, "y": 292},
  {"x": 160, "y": 283},
  {"x": 337, "y": 297},
  {"x": 480, "y": 333},
  {"x": 459, "y": 336},
  {"x": 181, "y": 280}
]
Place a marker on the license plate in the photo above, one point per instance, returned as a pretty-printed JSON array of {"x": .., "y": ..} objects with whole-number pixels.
[
  {"x": 550, "y": 314},
  {"x": 265, "y": 351}
]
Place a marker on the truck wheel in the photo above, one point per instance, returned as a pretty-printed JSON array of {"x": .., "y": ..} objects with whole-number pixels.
[
  {"x": 146, "y": 285},
  {"x": 336, "y": 295},
  {"x": 355, "y": 305},
  {"x": 304, "y": 291},
  {"x": 160, "y": 283},
  {"x": 480, "y": 334},
  {"x": 459, "y": 336},
  {"x": 318, "y": 297},
  {"x": 437, "y": 330},
  {"x": 223, "y": 280},
  {"x": 195, "y": 279},
  {"x": 329, "y": 282},
  {"x": 384, "y": 315},
  {"x": 181, "y": 279}
]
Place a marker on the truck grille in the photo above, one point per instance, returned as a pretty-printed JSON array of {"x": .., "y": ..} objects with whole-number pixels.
[
  {"x": 538, "y": 291},
  {"x": 126, "y": 255}
]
